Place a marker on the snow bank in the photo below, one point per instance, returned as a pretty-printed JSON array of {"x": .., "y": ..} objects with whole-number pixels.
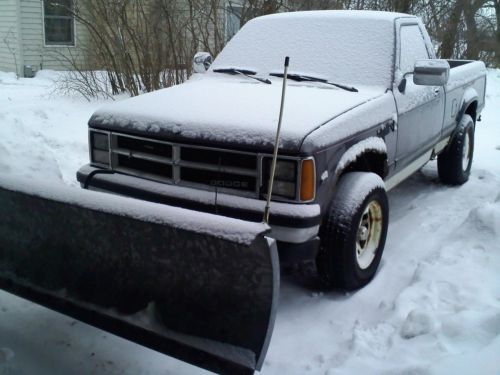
[{"x": 42, "y": 135}]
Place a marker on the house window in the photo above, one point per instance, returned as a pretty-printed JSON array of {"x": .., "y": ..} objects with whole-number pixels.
[
  {"x": 233, "y": 19},
  {"x": 59, "y": 22}
]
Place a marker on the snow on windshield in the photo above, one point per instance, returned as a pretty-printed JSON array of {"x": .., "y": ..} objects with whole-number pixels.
[{"x": 344, "y": 47}]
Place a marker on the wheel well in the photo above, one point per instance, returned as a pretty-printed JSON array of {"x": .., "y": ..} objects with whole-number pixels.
[
  {"x": 472, "y": 110},
  {"x": 369, "y": 161}
]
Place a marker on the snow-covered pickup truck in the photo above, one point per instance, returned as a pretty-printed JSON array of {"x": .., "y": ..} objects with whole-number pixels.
[{"x": 367, "y": 105}]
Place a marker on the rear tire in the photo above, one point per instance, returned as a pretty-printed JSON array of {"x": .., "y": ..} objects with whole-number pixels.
[
  {"x": 353, "y": 232},
  {"x": 454, "y": 164}
]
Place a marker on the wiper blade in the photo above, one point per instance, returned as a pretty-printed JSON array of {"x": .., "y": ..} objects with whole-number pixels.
[
  {"x": 304, "y": 78},
  {"x": 243, "y": 72}
]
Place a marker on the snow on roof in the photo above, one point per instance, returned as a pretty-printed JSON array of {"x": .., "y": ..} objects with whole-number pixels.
[{"x": 336, "y": 14}]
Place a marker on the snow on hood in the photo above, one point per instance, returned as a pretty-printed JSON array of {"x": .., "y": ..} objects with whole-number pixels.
[{"x": 228, "y": 110}]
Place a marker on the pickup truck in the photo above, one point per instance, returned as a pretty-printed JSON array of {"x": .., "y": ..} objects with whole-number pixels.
[{"x": 367, "y": 104}]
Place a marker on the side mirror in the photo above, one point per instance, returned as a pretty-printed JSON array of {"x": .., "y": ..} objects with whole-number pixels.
[
  {"x": 201, "y": 62},
  {"x": 431, "y": 72}
]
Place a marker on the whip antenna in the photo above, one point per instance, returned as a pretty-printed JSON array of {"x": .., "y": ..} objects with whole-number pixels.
[{"x": 276, "y": 145}]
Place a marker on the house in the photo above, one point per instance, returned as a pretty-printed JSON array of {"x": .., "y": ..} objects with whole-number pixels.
[{"x": 38, "y": 34}]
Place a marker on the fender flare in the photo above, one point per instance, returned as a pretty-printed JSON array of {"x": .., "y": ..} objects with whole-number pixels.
[
  {"x": 470, "y": 96},
  {"x": 370, "y": 144},
  {"x": 468, "y": 99}
]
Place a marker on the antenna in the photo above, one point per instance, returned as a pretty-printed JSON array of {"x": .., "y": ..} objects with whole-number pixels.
[{"x": 276, "y": 144}]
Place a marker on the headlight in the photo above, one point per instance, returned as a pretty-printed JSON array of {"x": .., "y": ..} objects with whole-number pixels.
[
  {"x": 285, "y": 177},
  {"x": 287, "y": 182},
  {"x": 99, "y": 148},
  {"x": 286, "y": 170},
  {"x": 100, "y": 141},
  {"x": 284, "y": 189}
]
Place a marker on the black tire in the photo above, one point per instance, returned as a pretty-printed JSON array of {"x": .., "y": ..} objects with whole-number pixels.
[
  {"x": 455, "y": 162},
  {"x": 338, "y": 262}
]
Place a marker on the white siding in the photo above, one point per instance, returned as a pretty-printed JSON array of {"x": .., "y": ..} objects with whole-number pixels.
[
  {"x": 9, "y": 36},
  {"x": 35, "y": 52}
]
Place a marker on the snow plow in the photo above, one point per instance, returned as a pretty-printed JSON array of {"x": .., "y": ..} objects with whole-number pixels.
[{"x": 195, "y": 286}]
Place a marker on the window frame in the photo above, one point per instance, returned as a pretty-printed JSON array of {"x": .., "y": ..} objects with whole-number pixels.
[
  {"x": 73, "y": 28},
  {"x": 399, "y": 47}
]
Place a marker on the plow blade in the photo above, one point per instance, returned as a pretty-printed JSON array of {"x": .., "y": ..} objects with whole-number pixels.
[{"x": 195, "y": 286}]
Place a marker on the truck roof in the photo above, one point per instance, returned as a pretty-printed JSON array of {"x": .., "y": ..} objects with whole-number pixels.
[{"x": 337, "y": 14}]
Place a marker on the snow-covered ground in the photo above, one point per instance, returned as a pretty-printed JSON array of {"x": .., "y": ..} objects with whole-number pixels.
[{"x": 433, "y": 308}]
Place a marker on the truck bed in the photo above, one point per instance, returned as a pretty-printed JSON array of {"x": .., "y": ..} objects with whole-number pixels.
[{"x": 467, "y": 83}]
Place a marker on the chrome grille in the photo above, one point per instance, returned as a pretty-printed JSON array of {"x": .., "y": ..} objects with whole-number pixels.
[{"x": 185, "y": 164}]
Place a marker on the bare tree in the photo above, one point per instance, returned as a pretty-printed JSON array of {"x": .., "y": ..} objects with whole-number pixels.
[{"x": 141, "y": 45}]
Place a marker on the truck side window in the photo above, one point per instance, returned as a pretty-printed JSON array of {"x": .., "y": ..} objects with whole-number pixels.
[{"x": 412, "y": 48}]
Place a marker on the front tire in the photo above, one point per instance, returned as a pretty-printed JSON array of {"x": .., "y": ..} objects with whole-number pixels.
[
  {"x": 353, "y": 232},
  {"x": 454, "y": 164}
]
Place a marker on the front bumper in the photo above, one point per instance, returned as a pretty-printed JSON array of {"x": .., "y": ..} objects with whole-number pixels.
[{"x": 290, "y": 223}]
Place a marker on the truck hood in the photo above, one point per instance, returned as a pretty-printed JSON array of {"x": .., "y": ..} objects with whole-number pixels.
[{"x": 229, "y": 111}]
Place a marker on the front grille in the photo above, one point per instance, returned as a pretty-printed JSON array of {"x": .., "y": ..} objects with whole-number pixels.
[
  {"x": 141, "y": 145},
  {"x": 222, "y": 180},
  {"x": 185, "y": 164},
  {"x": 146, "y": 166},
  {"x": 230, "y": 159}
]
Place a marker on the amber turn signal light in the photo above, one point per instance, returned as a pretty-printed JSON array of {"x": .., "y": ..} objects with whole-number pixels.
[{"x": 307, "y": 180}]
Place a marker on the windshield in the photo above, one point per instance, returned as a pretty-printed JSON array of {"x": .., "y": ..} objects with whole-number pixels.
[{"x": 343, "y": 47}]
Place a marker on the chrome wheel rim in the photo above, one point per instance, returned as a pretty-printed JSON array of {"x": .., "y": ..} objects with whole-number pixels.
[
  {"x": 466, "y": 152},
  {"x": 369, "y": 234}
]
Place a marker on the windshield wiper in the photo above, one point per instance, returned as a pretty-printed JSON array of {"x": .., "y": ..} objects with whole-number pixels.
[
  {"x": 304, "y": 78},
  {"x": 243, "y": 72}
]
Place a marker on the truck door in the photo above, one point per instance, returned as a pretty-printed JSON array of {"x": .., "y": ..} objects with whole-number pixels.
[{"x": 420, "y": 108}]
